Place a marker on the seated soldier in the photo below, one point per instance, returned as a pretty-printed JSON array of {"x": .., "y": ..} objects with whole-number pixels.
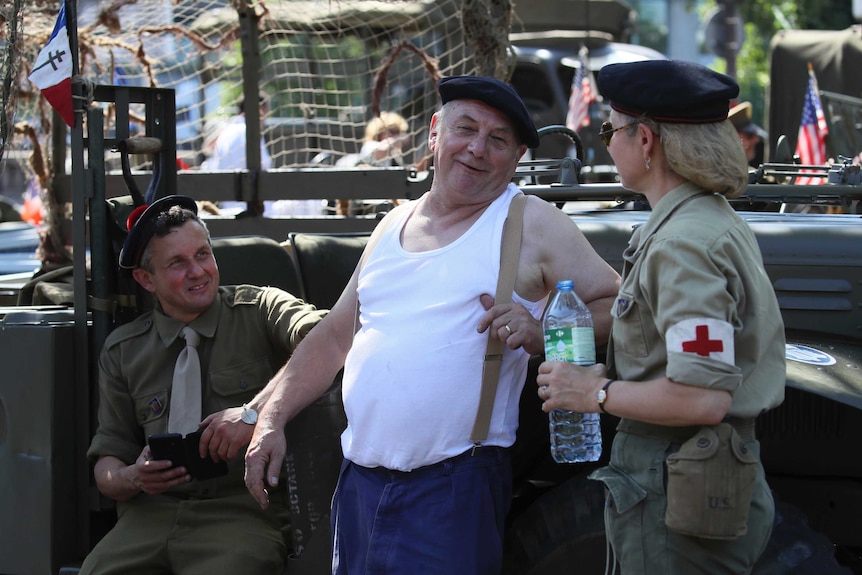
[{"x": 169, "y": 522}]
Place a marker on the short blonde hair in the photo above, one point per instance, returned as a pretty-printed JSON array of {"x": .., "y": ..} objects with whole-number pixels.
[
  {"x": 709, "y": 155},
  {"x": 382, "y": 123}
]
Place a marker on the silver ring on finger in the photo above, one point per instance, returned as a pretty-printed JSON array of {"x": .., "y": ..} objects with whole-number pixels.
[{"x": 508, "y": 329}]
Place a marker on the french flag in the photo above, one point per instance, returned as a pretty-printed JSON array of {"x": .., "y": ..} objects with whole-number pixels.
[{"x": 52, "y": 73}]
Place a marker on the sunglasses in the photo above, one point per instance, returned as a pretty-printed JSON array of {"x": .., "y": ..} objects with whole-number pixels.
[{"x": 607, "y": 131}]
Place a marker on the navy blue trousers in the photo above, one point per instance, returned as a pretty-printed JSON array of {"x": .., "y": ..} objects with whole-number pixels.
[{"x": 443, "y": 519}]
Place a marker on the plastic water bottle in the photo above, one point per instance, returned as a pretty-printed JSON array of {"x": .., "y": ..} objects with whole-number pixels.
[{"x": 568, "y": 325}]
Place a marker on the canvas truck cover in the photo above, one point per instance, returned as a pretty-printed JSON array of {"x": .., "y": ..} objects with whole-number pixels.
[{"x": 836, "y": 57}]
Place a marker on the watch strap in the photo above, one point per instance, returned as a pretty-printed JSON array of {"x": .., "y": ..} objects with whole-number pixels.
[{"x": 603, "y": 396}]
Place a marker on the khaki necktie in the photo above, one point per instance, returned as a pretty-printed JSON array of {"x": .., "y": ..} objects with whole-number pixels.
[{"x": 185, "y": 410}]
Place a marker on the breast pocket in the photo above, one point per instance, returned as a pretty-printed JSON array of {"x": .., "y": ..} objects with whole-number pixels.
[
  {"x": 241, "y": 380},
  {"x": 629, "y": 334}
]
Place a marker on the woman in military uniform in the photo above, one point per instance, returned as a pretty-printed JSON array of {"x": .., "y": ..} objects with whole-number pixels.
[{"x": 696, "y": 351}]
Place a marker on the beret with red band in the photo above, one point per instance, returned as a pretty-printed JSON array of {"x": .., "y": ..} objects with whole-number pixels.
[{"x": 141, "y": 224}]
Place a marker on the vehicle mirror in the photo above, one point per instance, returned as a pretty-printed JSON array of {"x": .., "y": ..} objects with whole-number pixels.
[{"x": 782, "y": 151}]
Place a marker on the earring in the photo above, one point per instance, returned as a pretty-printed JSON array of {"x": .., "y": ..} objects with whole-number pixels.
[{"x": 646, "y": 162}]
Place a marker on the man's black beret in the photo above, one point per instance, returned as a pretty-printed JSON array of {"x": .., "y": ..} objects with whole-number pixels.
[
  {"x": 141, "y": 224},
  {"x": 496, "y": 94},
  {"x": 672, "y": 91}
]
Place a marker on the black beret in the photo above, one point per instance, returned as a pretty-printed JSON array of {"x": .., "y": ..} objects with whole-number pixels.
[
  {"x": 141, "y": 225},
  {"x": 496, "y": 94},
  {"x": 668, "y": 91}
]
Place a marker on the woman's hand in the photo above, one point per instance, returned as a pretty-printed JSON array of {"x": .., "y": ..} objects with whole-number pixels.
[{"x": 564, "y": 385}]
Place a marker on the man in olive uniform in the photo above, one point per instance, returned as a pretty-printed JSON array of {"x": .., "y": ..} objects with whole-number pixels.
[{"x": 169, "y": 522}]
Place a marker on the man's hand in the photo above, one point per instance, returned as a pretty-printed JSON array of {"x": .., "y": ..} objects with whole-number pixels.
[
  {"x": 155, "y": 476},
  {"x": 513, "y": 325},
  {"x": 263, "y": 459},
  {"x": 224, "y": 434}
]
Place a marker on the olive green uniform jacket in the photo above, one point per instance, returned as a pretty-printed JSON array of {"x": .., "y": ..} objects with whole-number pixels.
[
  {"x": 694, "y": 263},
  {"x": 246, "y": 336}
]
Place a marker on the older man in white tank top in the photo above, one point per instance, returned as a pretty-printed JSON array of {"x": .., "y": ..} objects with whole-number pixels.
[{"x": 414, "y": 496}]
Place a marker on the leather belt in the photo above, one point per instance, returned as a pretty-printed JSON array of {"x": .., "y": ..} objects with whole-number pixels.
[{"x": 476, "y": 452}]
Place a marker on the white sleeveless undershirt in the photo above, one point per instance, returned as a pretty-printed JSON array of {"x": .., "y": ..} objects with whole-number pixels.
[{"x": 412, "y": 377}]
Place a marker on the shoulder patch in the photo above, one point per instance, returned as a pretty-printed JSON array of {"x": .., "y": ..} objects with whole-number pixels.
[{"x": 704, "y": 336}]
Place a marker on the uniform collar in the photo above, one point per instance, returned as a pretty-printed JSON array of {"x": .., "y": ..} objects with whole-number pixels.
[
  {"x": 205, "y": 324},
  {"x": 662, "y": 211}
]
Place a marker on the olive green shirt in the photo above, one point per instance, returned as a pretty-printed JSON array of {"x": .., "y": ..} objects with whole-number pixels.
[
  {"x": 246, "y": 336},
  {"x": 696, "y": 262}
]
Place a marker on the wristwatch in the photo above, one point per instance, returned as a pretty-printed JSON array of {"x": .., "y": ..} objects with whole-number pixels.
[
  {"x": 248, "y": 415},
  {"x": 602, "y": 396}
]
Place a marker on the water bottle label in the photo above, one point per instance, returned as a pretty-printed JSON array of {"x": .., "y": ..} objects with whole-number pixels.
[{"x": 573, "y": 344}]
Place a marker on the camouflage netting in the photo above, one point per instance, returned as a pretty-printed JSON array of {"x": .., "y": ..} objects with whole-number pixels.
[{"x": 327, "y": 66}]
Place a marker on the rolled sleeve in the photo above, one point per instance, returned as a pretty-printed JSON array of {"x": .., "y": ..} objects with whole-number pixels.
[
  {"x": 119, "y": 434},
  {"x": 692, "y": 369}
]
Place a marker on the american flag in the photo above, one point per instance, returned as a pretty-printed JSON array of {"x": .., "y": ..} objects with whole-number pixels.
[
  {"x": 811, "y": 142},
  {"x": 582, "y": 95}
]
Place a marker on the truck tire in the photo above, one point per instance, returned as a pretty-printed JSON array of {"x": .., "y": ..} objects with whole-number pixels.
[
  {"x": 795, "y": 548},
  {"x": 560, "y": 529}
]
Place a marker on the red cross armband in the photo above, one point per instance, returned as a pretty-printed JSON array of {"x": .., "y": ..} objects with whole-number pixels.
[{"x": 706, "y": 337}]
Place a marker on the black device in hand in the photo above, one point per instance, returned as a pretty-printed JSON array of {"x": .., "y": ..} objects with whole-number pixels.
[{"x": 183, "y": 452}]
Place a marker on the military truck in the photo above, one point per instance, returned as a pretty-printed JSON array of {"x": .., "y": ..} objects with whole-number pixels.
[
  {"x": 51, "y": 513},
  {"x": 834, "y": 56},
  {"x": 545, "y": 64}
]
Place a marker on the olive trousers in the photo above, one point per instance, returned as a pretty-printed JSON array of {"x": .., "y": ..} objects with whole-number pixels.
[
  {"x": 166, "y": 535},
  {"x": 635, "y": 484}
]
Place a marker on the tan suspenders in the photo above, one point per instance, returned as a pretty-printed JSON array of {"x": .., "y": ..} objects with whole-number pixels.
[{"x": 509, "y": 254}]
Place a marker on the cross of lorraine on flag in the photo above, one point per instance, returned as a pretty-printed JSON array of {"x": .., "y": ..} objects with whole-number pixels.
[{"x": 52, "y": 73}]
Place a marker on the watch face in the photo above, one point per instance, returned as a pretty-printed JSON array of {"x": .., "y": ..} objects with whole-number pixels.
[
  {"x": 602, "y": 395},
  {"x": 249, "y": 415}
]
